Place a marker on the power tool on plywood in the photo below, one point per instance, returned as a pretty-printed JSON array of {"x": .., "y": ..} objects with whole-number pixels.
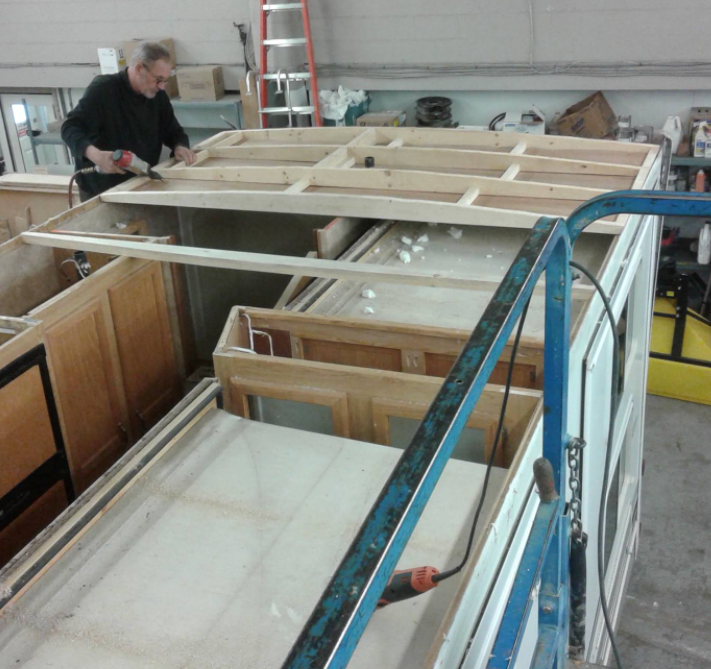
[
  {"x": 407, "y": 583},
  {"x": 126, "y": 161}
]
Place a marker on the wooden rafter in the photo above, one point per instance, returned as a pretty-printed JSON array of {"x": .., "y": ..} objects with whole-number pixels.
[
  {"x": 263, "y": 262},
  {"x": 444, "y": 176},
  {"x": 327, "y": 204}
]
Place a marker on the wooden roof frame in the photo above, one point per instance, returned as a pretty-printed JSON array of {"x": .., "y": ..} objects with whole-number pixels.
[{"x": 419, "y": 175}]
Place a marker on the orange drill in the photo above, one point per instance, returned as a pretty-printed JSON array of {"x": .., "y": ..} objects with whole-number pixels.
[
  {"x": 131, "y": 162},
  {"x": 407, "y": 583}
]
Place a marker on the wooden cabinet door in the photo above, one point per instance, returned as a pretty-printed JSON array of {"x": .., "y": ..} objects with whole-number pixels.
[
  {"x": 26, "y": 438},
  {"x": 145, "y": 344},
  {"x": 88, "y": 390}
]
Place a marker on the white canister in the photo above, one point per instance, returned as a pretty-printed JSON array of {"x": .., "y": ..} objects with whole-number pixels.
[
  {"x": 704, "y": 255},
  {"x": 672, "y": 129}
]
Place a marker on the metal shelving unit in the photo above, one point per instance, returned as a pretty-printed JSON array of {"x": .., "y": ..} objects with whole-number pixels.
[
  {"x": 688, "y": 161},
  {"x": 205, "y": 119}
]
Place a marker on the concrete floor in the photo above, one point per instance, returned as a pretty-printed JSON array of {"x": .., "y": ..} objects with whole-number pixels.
[{"x": 666, "y": 621}]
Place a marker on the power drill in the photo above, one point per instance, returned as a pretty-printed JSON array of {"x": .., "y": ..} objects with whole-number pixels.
[
  {"x": 407, "y": 583},
  {"x": 131, "y": 162},
  {"x": 123, "y": 159}
]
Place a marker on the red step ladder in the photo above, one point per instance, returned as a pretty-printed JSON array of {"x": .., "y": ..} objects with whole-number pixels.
[{"x": 265, "y": 43}]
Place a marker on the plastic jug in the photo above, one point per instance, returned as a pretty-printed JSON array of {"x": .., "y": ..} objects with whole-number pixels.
[
  {"x": 702, "y": 141},
  {"x": 704, "y": 256},
  {"x": 672, "y": 129}
]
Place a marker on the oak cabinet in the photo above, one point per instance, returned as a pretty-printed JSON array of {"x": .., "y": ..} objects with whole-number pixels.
[
  {"x": 89, "y": 391},
  {"x": 145, "y": 345}
]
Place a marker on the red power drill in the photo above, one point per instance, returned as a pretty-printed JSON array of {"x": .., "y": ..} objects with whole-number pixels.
[
  {"x": 406, "y": 583},
  {"x": 131, "y": 162},
  {"x": 123, "y": 159}
]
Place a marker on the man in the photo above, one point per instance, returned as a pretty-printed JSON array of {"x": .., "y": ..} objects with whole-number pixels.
[{"x": 129, "y": 110}]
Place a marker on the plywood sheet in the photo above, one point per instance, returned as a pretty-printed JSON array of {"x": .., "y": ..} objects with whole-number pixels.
[
  {"x": 484, "y": 252},
  {"x": 219, "y": 555}
]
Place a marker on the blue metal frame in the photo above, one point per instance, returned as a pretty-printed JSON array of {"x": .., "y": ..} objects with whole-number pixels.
[
  {"x": 341, "y": 615},
  {"x": 553, "y": 604}
]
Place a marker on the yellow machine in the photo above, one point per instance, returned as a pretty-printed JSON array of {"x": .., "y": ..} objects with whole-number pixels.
[{"x": 680, "y": 351}]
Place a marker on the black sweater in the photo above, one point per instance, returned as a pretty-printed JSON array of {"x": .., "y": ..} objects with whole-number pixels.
[{"x": 111, "y": 116}]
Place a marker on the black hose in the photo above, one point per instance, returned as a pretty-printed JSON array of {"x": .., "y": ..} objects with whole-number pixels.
[
  {"x": 496, "y": 119},
  {"x": 71, "y": 186},
  {"x": 86, "y": 170},
  {"x": 608, "y": 453},
  {"x": 489, "y": 465}
]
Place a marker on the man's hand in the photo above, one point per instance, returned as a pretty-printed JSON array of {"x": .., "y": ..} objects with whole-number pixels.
[
  {"x": 104, "y": 160},
  {"x": 185, "y": 154}
]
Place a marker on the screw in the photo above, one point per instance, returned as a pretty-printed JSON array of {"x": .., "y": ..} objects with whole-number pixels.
[{"x": 547, "y": 610}]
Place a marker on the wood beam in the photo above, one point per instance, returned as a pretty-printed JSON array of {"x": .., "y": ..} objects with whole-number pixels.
[
  {"x": 511, "y": 173},
  {"x": 431, "y": 159},
  {"x": 264, "y": 262},
  {"x": 379, "y": 179},
  {"x": 444, "y": 137},
  {"x": 357, "y": 206},
  {"x": 469, "y": 197}
]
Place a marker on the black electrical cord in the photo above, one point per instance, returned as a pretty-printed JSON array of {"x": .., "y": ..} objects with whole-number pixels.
[
  {"x": 496, "y": 119},
  {"x": 70, "y": 193},
  {"x": 489, "y": 465},
  {"x": 608, "y": 453}
]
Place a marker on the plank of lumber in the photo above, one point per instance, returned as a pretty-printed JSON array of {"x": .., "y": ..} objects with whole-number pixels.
[
  {"x": 511, "y": 173},
  {"x": 339, "y": 158},
  {"x": 368, "y": 138},
  {"x": 338, "y": 235},
  {"x": 213, "y": 141},
  {"x": 294, "y": 287},
  {"x": 299, "y": 186},
  {"x": 357, "y": 206},
  {"x": 420, "y": 157},
  {"x": 428, "y": 182},
  {"x": 259, "y": 262},
  {"x": 250, "y": 105},
  {"x": 262, "y": 262},
  {"x": 444, "y": 137},
  {"x": 469, "y": 197}
]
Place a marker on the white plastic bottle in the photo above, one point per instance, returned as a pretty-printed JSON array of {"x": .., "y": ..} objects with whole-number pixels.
[{"x": 704, "y": 255}]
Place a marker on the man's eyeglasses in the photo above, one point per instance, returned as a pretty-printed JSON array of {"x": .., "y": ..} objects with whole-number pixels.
[{"x": 159, "y": 80}]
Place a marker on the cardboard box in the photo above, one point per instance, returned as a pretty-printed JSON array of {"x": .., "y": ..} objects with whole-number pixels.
[
  {"x": 171, "y": 86},
  {"x": 592, "y": 117},
  {"x": 201, "y": 84},
  {"x": 130, "y": 46},
  {"x": 381, "y": 119}
]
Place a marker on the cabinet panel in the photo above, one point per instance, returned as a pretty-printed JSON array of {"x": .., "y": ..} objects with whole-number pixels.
[
  {"x": 356, "y": 355},
  {"x": 88, "y": 392},
  {"x": 30, "y": 523},
  {"x": 524, "y": 376},
  {"x": 141, "y": 323},
  {"x": 26, "y": 438}
]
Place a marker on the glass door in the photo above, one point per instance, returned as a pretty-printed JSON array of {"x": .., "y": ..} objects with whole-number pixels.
[{"x": 32, "y": 125}]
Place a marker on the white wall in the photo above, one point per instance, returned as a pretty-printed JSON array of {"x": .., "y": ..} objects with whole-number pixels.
[
  {"x": 569, "y": 32},
  {"x": 53, "y": 42}
]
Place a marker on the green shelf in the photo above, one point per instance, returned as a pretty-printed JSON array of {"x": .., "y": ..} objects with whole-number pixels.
[{"x": 686, "y": 161}]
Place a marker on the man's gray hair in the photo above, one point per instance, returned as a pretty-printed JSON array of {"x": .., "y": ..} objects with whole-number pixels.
[{"x": 148, "y": 53}]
